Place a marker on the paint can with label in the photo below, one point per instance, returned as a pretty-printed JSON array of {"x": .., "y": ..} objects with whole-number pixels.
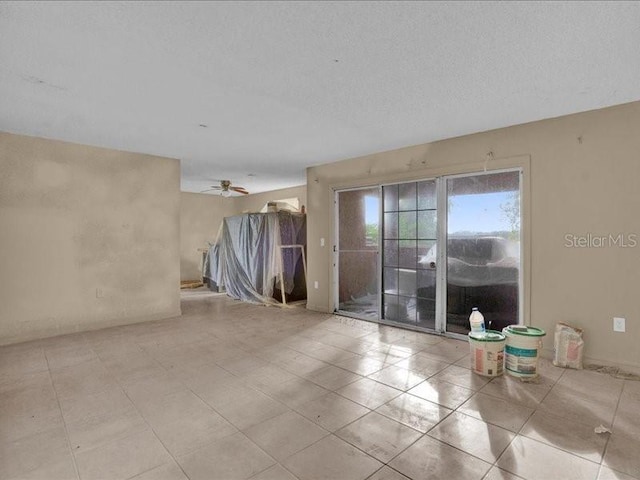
[
  {"x": 487, "y": 353},
  {"x": 522, "y": 350}
]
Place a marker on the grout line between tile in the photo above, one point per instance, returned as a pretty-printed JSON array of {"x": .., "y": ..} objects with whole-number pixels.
[{"x": 64, "y": 422}]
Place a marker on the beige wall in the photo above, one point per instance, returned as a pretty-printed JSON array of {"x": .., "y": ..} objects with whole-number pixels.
[
  {"x": 89, "y": 237},
  {"x": 583, "y": 179},
  {"x": 200, "y": 219}
]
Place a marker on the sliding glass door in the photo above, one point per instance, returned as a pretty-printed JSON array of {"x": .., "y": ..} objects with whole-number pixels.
[
  {"x": 357, "y": 252},
  {"x": 424, "y": 253},
  {"x": 409, "y": 238},
  {"x": 483, "y": 249}
]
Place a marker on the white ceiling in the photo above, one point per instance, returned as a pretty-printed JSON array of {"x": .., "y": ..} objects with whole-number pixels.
[{"x": 285, "y": 85}]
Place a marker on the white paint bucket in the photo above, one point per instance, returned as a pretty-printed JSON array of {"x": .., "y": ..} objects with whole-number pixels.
[
  {"x": 487, "y": 353},
  {"x": 522, "y": 350}
]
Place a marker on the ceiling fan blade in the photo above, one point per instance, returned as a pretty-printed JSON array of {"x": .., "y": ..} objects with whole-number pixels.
[
  {"x": 207, "y": 190},
  {"x": 239, "y": 190}
]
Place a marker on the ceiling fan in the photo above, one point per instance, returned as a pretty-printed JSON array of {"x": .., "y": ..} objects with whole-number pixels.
[{"x": 226, "y": 189}]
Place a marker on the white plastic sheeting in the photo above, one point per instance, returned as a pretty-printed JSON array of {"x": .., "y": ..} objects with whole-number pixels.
[{"x": 247, "y": 260}]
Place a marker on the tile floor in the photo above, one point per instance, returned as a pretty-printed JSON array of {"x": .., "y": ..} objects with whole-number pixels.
[{"x": 235, "y": 391}]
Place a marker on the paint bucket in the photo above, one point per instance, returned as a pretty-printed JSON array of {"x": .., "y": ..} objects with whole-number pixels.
[
  {"x": 487, "y": 353},
  {"x": 522, "y": 350}
]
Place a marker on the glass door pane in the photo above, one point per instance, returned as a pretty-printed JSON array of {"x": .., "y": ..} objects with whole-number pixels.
[
  {"x": 409, "y": 238},
  {"x": 483, "y": 249},
  {"x": 358, "y": 222}
]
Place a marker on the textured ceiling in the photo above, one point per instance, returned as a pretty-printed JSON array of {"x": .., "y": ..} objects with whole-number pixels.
[{"x": 268, "y": 89}]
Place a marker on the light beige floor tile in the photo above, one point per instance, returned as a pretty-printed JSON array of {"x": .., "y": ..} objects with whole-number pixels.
[
  {"x": 622, "y": 454},
  {"x": 286, "y": 434},
  {"x": 79, "y": 408},
  {"x": 397, "y": 349},
  {"x": 122, "y": 458},
  {"x": 379, "y": 436},
  {"x": 386, "y": 473},
  {"x": 13, "y": 383},
  {"x": 67, "y": 356},
  {"x": 14, "y": 427},
  {"x": 627, "y": 419},
  {"x": 331, "y": 458},
  {"x": 329, "y": 354},
  {"x": 429, "y": 458},
  {"x": 60, "y": 469},
  {"x": 249, "y": 409},
  {"x": 547, "y": 369},
  {"x": 230, "y": 458},
  {"x": 332, "y": 411},
  {"x": 441, "y": 392},
  {"x": 333, "y": 378},
  {"x": 173, "y": 407},
  {"x": 498, "y": 474},
  {"x": 202, "y": 375},
  {"x": 604, "y": 389},
  {"x": 267, "y": 376},
  {"x": 414, "y": 412},
  {"x": 462, "y": 377},
  {"x": 243, "y": 365},
  {"x": 591, "y": 410},
  {"x": 592, "y": 382},
  {"x": 473, "y": 436},
  {"x": 169, "y": 471},
  {"x": 340, "y": 341},
  {"x": 92, "y": 431},
  {"x": 152, "y": 386},
  {"x": 36, "y": 453},
  {"x": 20, "y": 361},
  {"x": 28, "y": 411},
  {"x": 361, "y": 365},
  {"x": 608, "y": 474},
  {"x": 423, "y": 365},
  {"x": 562, "y": 433},
  {"x": 464, "y": 362},
  {"x": 496, "y": 411},
  {"x": 295, "y": 392},
  {"x": 447, "y": 351},
  {"x": 83, "y": 379},
  {"x": 277, "y": 472},
  {"x": 533, "y": 460},
  {"x": 130, "y": 368},
  {"x": 369, "y": 393},
  {"x": 517, "y": 391},
  {"x": 386, "y": 357},
  {"x": 192, "y": 431},
  {"x": 397, "y": 377},
  {"x": 300, "y": 364}
]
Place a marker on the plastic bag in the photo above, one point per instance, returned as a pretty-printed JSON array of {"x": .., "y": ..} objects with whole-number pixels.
[{"x": 568, "y": 346}]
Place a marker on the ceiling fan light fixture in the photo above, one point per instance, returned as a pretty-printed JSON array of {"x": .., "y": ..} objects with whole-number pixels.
[{"x": 225, "y": 193}]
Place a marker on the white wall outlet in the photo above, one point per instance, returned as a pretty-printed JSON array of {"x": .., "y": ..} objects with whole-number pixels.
[
  {"x": 315, "y": 284},
  {"x": 321, "y": 243},
  {"x": 99, "y": 293},
  {"x": 618, "y": 324}
]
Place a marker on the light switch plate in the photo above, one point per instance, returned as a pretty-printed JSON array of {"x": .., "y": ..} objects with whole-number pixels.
[{"x": 619, "y": 324}]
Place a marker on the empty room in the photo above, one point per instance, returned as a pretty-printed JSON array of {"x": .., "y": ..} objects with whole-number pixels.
[{"x": 319, "y": 240}]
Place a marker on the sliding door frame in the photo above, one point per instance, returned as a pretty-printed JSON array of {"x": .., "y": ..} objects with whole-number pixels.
[
  {"x": 443, "y": 235},
  {"x": 520, "y": 163},
  {"x": 336, "y": 252}
]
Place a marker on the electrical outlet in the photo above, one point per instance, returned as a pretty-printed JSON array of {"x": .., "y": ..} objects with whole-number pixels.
[
  {"x": 321, "y": 244},
  {"x": 618, "y": 324},
  {"x": 99, "y": 293},
  {"x": 315, "y": 284}
]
